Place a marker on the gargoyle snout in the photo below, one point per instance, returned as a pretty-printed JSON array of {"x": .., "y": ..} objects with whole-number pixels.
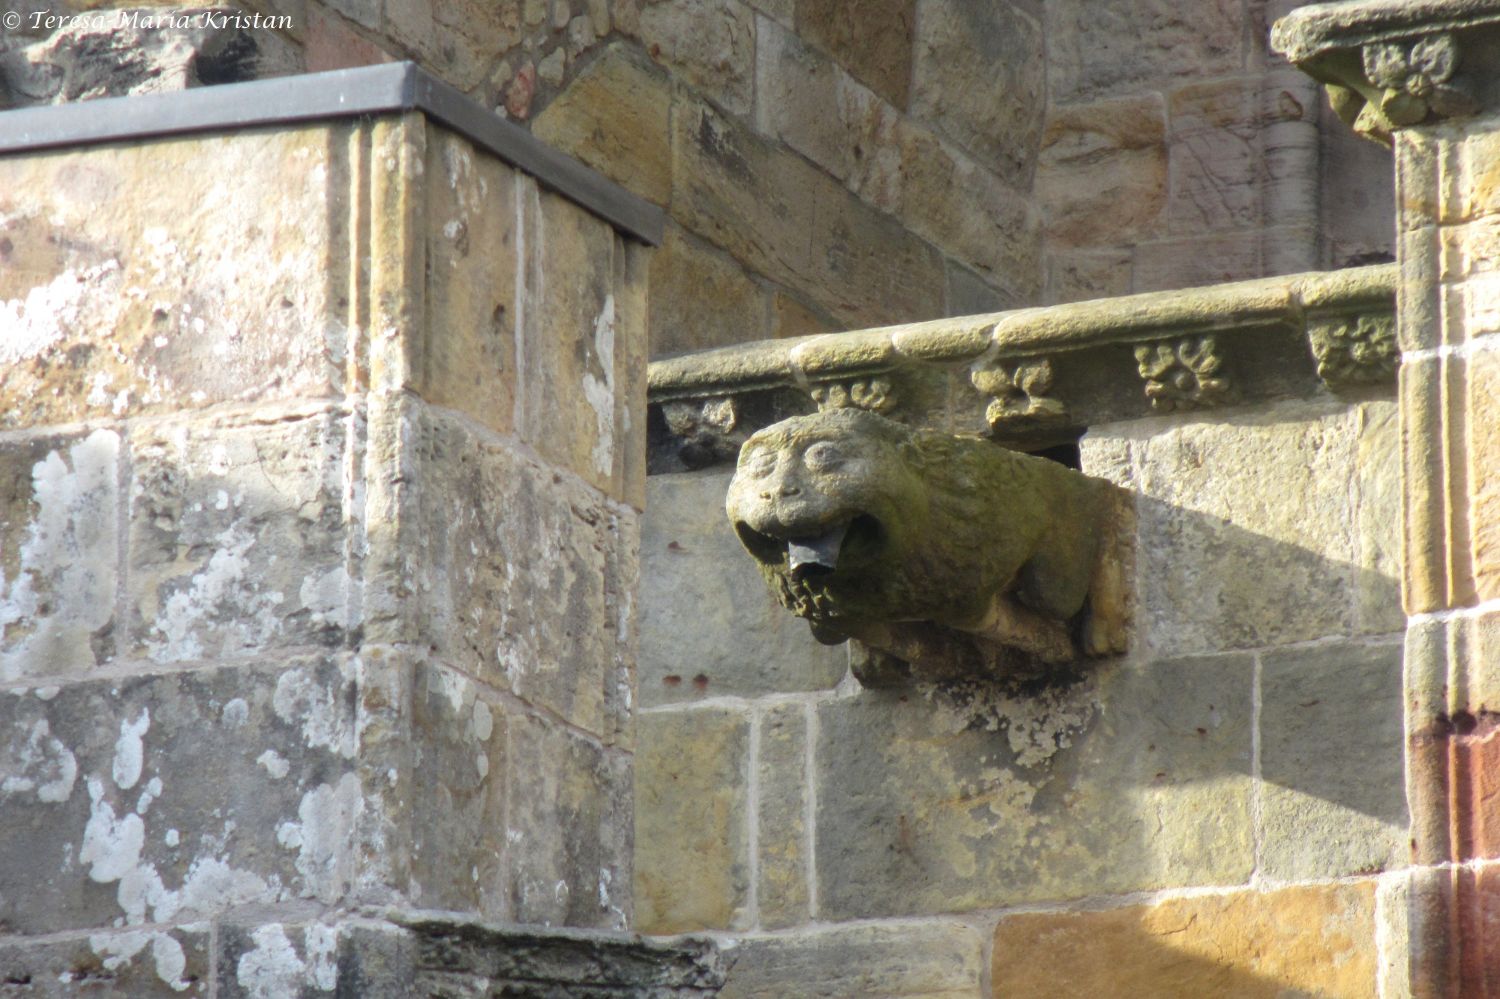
[{"x": 781, "y": 486}]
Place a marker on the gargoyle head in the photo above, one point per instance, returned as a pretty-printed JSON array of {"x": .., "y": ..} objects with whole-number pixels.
[{"x": 822, "y": 502}]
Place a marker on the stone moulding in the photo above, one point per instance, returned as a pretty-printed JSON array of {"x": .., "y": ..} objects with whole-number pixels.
[
  {"x": 1037, "y": 377},
  {"x": 1387, "y": 64}
]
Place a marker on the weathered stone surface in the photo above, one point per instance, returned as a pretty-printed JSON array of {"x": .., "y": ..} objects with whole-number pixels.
[
  {"x": 1105, "y": 47},
  {"x": 151, "y": 964},
  {"x": 873, "y": 41},
  {"x": 615, "y": 117},
  {"x": 1225, "y": 563},
  {"x": 569, "y": 372},
  {"x": 1377, "y": 502},
  {"x": 792, "y": 318},
  {"x": 1102, "y": 172},
  {"x": 112, "y": 53},
  {"x": 567, "y": 866},
  {"x": 927, "y": 960},
  {"x": 969, "y": 294},
  {"x": 1333, "y": 802},
  {"x": 1483, "y": 429},
  {"x": 1214, "y": 142},
  {"x": 119, "y": 306},
  {"x": 59, "y": 557},
  {"x": 700, "y": 298},
  {"x": 784, "y": 835},
  {"x": 971, "y": 213},
  {"x": 796, "y": 225},
  {"x": 708, "y": 626},
  {"x": 458, "y": 757},
  {"x": 1317, "y": 940},
  {"x": 708, "y": 43},
  {"x": 330, "y": 42},
  {"x": 290, "y": 957},
  {"x": 691, "y": 837},
  {"x": 813, "y": 105},
  {"x": 488, "y": 530},
  {"x": 980, "y": 77},
  {"x": 237, "y": 530},
  {"x": 174, "y": 797},
  {"x": 468, "y": 359},
  {"x": 1073, "y": 277},
  {"x": 1196, "y": 261},
  {"x": 1134, "y": 778}
]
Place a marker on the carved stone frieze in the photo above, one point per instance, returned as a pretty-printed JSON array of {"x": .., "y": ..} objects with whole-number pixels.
[
  {"x": 875, "y": 394},
  {"x": 1020, "y": 393},
  {"x": 709, "y": 429},
  {"x": 1186, "y": 373},
  {"x": 1353, "y": 349},
  {"x": 946, "y": 555}
]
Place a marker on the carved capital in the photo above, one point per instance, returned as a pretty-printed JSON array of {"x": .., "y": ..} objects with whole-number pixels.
[
  {"x": 1020, "y": 393},
  {"x": 875, "y": 395},
  {"x": 1186, "y": 373},
  {"x": 1353, "y": 349}
]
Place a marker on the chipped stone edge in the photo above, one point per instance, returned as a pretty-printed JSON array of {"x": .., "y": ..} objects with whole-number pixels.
[
  {"x": 724, "y": 377},
  {"x": 1320, "y": 28}
]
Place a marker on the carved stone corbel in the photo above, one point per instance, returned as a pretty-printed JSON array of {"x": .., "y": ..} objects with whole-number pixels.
[
  {"x": 1020, "y": 392},
  {"x": 1182, "y": 374},
  {"x": 874, "y": 394},
  {"x": 709, "y": 429},
  {"x": 1353, "y": 349}
]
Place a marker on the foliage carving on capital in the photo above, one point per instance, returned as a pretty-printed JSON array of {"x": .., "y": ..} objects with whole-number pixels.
[
  {"x": 875, "y": 395},
  {"x": 1353, "y": 349},
  {"x": 1186, "y": 373},
  {"x": 1020, "y": 392}
]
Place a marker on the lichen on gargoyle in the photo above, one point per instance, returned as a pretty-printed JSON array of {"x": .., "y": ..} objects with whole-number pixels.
[{"x": 940, "y": 556}]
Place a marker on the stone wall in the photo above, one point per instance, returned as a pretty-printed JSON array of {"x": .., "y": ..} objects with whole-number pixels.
[
  {"x": 837, "y": 164},
  {"x": 323, "y": 473},
  {"x": 1214, "y": 813}
]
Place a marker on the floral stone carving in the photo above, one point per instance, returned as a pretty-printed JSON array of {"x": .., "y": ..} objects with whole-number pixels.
[
  {"x": 942, "y": 556},
  {"x": 1354, "y": 350},
  {"x": 1186, "y": 373},
  {"x": 875, "y": 394},
  {"x": 1020, "y": 389}
]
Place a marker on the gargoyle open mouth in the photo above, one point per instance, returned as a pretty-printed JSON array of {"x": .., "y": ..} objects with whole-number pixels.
[{"x": 809, "y": 555}]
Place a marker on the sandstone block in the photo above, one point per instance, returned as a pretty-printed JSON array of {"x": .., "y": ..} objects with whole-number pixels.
[
  {"x": 708, "y": 43},
  {"x": 59, "y": 558},
  {"x": 784, "y": 837},
  {"x": 1333, "y": 802},
  {"x": 980, "y": 78},
  {"x": 873, "y": 41},
  {"x": 1102, "y": 171},
  {"x": 797, "y": 226},
  {"x": 933, "y": 961},
  {"x": 237, "y": 530},
  {"x": 1223, "y": 563},
  {"x": 152, "y": 964},
  {"x": 793, "y": 318},
  {"x": 468, "y": 354},
  {"x": 1317, "y": 940},
  {"x": 708, "y": 626},
  {"x": 700, "y": 298},
  {"x": 569, "y": 371},
  {"x": 1080, "y": 276},
  {"x": 171, "y": 798},
  {"x": 1106, "y": 47},
  {"x": 1214, "y": 141},
  {"x": 691, "y": 849},
  {"x": 615, "y": 117},
  {"x": 176, "y": 321},
  {"x": 632, "y": 332},
  {"x": 566, "y": 800},
  {"x": 1378, "y": 510},
  {"x": 458, "y": 788},
  {"x": 487, "y": 530},
  {"x": 1195, "y": 261},
  {"x": 294, "y": 956},
  {"x": 1134, "y": 778}
]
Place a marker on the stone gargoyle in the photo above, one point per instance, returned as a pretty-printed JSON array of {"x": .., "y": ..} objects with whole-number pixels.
[{"x": 942, "y": 557}]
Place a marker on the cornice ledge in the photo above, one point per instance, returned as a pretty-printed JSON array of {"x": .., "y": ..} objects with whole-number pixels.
[
  {"x": 1389, "y": 64},
  {"x": 1033, "y": 376}
]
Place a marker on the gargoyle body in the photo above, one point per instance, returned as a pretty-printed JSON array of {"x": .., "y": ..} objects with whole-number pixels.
[{"x": 941, "y": 555}]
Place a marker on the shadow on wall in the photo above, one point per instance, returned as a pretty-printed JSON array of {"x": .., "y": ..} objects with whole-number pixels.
[{"x": 1255, "y": 727}]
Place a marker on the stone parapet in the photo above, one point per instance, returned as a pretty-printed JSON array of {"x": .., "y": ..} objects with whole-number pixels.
[{"x": 1036, "y": 377}]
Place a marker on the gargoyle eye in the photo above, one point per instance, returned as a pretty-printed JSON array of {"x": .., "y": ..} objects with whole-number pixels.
[
  {"x": 823, "y": 455},
  {"x": 760, "y": 463}
]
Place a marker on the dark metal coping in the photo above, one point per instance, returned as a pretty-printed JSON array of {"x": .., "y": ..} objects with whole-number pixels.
[{"x": 344, "y": 93}]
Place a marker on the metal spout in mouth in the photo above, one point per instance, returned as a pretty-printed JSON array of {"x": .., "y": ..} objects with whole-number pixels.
[{"x": 815, "y": 556}]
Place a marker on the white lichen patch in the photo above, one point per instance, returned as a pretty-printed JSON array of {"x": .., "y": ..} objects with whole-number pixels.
[
  {"x": 63, "y": 589},
  {"x": 130, "y": 750},
  {"x": 36, "y": 762},
  {"x": 600, "y": 393},
  {"x": 322, "y": 837},
  {"x": 303, "y": 701},
  {"x": 111, "y": 844},
  {"x": 276, "y": 765},
  {"x": 40, "y": 321},
  {"x": 326, "y": 596},
  {"x": 1036, "y": 724},
  {"x": 197, "y": 610},
  {"x": 119, "y": 949},
  {"x": 271, "y": 969}
]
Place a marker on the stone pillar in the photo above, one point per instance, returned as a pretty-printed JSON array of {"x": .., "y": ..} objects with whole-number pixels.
[
  {"x": 1424, "y": 76},
  {"x": 323, "y": 457}
]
